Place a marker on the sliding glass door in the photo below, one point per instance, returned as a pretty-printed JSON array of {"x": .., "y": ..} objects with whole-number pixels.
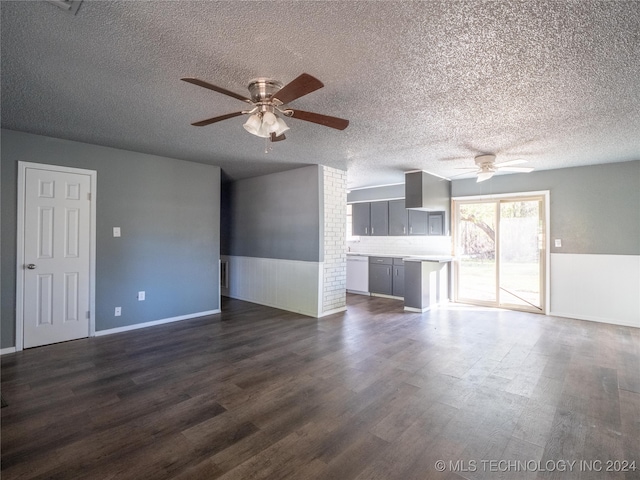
[
  {"x": 476, "y": 252},
  {"x": 500, "y": 252}
]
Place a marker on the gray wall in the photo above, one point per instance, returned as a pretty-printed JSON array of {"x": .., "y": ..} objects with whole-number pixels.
[
  {"x": 275, "y": 216},
  {"x": 169, "y": 214},
  {"x": 594, "y": 209}
]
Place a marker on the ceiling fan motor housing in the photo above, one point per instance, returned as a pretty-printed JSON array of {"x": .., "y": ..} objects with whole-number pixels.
[
  {"x": 262, "y": 89},
  {"x": 485, "y": 162}
]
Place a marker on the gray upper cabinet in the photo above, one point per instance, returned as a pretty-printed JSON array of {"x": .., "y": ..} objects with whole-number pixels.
[
  {"x": 418, "y": 222},
  {"x": 398, "y": 218},
  {"x": 361, "y": 219},
  {"x": 436, "y": 223},
  {"x": 379, "y": 218},
  {"x": 391, "y": 218},
  {"x": 427, "y": 192}
]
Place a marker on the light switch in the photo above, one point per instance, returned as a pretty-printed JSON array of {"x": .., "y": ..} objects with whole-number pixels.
[
  {"x": 141, "y": 296},
  {"x": 116, "y": 231},
  {"x": 558, "y": 242}
]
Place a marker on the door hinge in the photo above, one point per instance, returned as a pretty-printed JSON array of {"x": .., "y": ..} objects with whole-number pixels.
[
  {"x": 89, "y": 314},
  {"x": 89, "y": 196}
]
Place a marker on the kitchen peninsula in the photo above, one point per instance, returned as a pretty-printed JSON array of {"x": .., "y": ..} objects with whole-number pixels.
[{"x": 424, "y": 278}]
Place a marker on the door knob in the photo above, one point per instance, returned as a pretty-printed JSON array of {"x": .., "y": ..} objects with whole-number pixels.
[{"x": 31, "y": 266}]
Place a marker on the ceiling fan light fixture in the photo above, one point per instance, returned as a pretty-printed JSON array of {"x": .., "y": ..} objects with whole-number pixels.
[
  {"x": 269, "y": 121},
  {"x": 253, "y": 124},
  {"x": 281, "y": 127}
]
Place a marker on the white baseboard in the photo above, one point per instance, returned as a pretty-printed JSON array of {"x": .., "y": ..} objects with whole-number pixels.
[
  {"x": 359, "y": 292},
  {"x": 4, "y": 351},
  {"x": 384, "y": 295},
  {"x": 588, "y": 318},
  {"x": 417, "y": 310},
  {"x": 331, "y": 312},
  {"x": 155, "y": 322}
]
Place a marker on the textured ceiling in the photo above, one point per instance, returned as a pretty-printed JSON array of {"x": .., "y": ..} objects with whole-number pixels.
[{"x": 425, "y": 85}]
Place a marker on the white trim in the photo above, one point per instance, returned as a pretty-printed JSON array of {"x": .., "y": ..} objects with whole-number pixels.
[
  {"x": 153, "y": 323},
  {"x": 502, "y": 195},
  {"x": 7, "y": 350},
  {"x": 331, "y": 312},
  {"x": 589, "y": 318},
  {"x": 22, "y": 171},
  {"x": 377, "y": 186},
  {"x": 376, "y": 200},
  {"x": 417, "y": 310},
  {"x": 384, "y": 295}
]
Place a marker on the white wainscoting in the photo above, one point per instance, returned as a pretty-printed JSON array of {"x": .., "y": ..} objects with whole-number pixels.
[
  {"x": 601, "y": 288},
  {"x": 286, "y": 284}
]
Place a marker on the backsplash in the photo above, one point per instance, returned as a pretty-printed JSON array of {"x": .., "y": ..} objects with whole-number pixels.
[{"x": 409, "y": 245}]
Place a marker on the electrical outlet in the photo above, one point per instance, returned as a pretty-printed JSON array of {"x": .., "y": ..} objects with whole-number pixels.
[
  {"x": 141, "y": 296},
  {"x": 118, "y": 311},
  {"x": 116, "y": 231},
  {"x": 558, "y": 243}
]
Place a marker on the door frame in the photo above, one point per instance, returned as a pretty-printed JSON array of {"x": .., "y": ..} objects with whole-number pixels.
[
  {"x": 546, "y": 241},
  {"x": 20, "y": 261}
]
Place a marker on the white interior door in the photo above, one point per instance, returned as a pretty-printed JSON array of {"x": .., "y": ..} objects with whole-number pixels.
[{"x": 56, "y": 260}]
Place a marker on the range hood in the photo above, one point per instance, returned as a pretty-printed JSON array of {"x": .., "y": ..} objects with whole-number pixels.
[{"x": 425, "y": 191}]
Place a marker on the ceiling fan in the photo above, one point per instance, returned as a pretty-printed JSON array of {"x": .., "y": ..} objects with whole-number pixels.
[
  {"x": 267, "y": 101},
  {"x": 486, "y": 167}
]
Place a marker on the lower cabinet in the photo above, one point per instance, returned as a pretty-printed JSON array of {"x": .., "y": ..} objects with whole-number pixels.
[
  {"x": 398, "y": 277},
  {"x": 380, "y": 278},
  {"x": 386, "y": 276}
]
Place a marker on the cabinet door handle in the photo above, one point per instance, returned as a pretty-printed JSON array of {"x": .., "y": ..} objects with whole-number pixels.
[
  {"x": 366, "y": 230},
  {"x": 388, "y": 271},
  {"x": 404, "y": 229},
  {"x": 371, "y": 230},
  {"x": 410, "y": 229}
]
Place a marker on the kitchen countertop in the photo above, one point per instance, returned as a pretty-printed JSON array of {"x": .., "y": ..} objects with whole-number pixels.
[{"x": 407, "y": 258}]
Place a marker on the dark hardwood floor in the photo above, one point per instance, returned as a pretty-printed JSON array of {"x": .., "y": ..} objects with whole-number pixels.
[{"x": 373, "y": 393}]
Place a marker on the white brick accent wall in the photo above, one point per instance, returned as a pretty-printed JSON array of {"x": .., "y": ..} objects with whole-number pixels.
[{"x": 334, "y": 278}]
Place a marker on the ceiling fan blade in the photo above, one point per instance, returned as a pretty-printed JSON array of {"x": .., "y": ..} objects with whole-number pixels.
[
  {"x": 510, "y": 163},
  {"x": 209, "y": 121},
  {"x": 297, "y": 88},
  {"x": 327, "y": 121},
  {"x": 463, "y": 173},
  {"x": 202, "y": 83},
  {"x": 516, "y": 169},
  {"x": 275, "y": 138},
  {"x": 482, "y": 176}
]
